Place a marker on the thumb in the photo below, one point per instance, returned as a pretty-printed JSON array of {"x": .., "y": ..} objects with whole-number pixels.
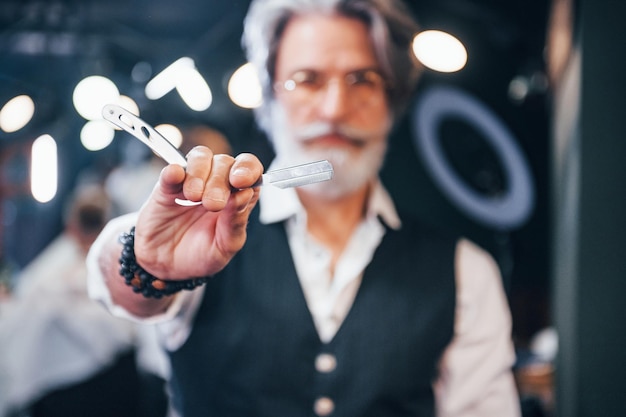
[{"x": 170, "y": 183}]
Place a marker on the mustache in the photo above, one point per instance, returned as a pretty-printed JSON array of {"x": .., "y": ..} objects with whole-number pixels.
[{"x": 317, "y": 129}]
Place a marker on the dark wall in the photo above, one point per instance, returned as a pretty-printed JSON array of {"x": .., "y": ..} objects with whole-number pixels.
[{"x": 590, "y": 173}]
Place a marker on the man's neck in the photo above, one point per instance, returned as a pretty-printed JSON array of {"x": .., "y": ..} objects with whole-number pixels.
[{"x": 332, "y": 221}]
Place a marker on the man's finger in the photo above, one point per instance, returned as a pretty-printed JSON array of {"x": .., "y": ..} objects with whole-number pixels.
[
  {"x": 199, "y": 166},
  {"x": 246, "y": 171},
  {"x": 217, "y": 188}
]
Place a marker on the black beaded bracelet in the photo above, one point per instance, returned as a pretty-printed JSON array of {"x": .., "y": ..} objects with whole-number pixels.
[{"x": 142, "y": 281}]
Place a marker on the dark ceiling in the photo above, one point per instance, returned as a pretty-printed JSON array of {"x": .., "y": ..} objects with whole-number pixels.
[{"x": 47, "y": 46}]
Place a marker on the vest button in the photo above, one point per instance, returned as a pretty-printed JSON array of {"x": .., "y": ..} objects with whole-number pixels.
[
  {"x": 325, "y": 363},
  {"x": 323, "y": 406}
]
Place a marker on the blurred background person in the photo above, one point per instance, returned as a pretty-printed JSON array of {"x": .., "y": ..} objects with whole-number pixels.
[{"x": 60, "y": 353}]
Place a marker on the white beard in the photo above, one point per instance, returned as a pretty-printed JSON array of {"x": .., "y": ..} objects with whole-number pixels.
[{"x": 352, "y": 169}]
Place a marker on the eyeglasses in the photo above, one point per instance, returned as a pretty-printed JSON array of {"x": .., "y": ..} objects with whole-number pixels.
[{"x": 305, "y": 86}]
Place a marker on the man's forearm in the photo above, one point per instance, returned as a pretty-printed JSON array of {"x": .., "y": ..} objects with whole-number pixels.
[
  {"x": 105, "y": 282},
  {"x": 122, "y": 294}
]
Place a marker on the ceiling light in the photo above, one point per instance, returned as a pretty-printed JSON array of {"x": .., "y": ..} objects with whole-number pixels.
[
  {"x": 166, "y": 80},
  {"x": 183, "y": 76},
  {"x": 16, "y": 113},
  {"x": 92, "y": 93},
  {"x": 439, "y": 51},
  {"x": 244, "y": 88},
  {"x": 128, "y": 104},
  {"x": 171, "y": 133},
  {"x": 44, "y": 169},
  {"x": 96, "y": 135},
  {"x": 194, "y": 90}
]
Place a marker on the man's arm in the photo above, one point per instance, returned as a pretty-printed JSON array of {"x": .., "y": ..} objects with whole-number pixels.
[
  {"x": 105, "y": 283},
  {"x": 476, "y": 377},
  {"x": 174, "y": 242}
]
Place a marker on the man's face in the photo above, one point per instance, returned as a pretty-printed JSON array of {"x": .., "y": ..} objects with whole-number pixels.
[{"x": 330, "y": 101}]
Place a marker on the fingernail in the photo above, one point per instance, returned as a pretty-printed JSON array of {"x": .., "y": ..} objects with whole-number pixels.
[{"x": 241, "y": 172}]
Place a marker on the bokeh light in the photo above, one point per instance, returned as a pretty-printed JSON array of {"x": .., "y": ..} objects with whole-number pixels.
[{"x": 439, "y": 51}]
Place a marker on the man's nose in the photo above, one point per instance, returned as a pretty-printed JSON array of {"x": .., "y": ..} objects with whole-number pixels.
[{"x": 334, "y": 102}]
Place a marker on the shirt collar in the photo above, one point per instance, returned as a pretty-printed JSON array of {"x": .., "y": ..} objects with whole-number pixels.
[{"x": 278, "y": 204}]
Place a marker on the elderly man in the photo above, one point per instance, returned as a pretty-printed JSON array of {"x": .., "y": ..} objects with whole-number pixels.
[{"x": 323, "y": 300}]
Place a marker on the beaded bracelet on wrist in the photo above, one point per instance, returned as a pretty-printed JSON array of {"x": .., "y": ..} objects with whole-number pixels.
[{"x": 142, "y": 281}]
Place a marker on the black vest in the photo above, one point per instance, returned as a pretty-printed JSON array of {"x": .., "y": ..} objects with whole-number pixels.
[{"x": 253, "y": 346}]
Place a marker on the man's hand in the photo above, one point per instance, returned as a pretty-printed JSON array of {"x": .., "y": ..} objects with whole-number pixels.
[{"x": 180, "y": 242}]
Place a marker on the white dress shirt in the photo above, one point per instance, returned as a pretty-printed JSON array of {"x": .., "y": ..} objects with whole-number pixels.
[{"x": 475, "y": 373}]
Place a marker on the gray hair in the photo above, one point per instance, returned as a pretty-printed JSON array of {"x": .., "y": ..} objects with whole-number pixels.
[{"x": 391, "y": 29}]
